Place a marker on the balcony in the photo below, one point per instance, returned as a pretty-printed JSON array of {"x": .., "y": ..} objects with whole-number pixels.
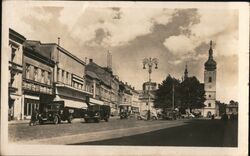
[{"x": 36, "y": 86}]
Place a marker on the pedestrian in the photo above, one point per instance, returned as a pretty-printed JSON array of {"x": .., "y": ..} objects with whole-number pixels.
[
  {"x": 148, "y": 118},
  {"x": 34, "y": 118}
]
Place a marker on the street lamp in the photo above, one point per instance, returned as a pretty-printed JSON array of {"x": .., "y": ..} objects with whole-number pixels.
[{"x": 149, "y": 63}]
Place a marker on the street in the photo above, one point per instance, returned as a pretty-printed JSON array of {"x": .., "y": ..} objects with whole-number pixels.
[
  {"x": 204, "y": 133},
  {"x": 184, "y": 132}
]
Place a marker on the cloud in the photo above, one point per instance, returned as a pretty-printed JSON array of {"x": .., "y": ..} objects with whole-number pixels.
[{"x": 179, "y": 45}]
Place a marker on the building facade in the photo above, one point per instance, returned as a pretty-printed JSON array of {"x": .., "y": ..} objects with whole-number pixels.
[
  {"x": 147, "y": 95},
  {"x": 69, "y": 78},
  {"x": 104, "y": 84},
  {"x": 37, "y": 76},
  {"x": 210, "y": 85},
  {"x": 15, "y": 75}
]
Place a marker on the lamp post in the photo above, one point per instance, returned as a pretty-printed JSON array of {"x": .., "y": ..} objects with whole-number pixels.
[{"x": 149, "y": 63}]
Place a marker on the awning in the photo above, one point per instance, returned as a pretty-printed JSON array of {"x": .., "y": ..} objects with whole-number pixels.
[
  {"x": 95, "y": 101},
  {"x": 73, "y": 103}
]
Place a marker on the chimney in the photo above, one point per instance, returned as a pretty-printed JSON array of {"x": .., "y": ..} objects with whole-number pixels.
[
  {"x": 58, "y": 41},
  {"x": 86, "y": 60},
  {"x": 90, "y": 60}
]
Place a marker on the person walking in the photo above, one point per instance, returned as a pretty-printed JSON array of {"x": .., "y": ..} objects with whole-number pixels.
[{"x": 34, "y": 118}]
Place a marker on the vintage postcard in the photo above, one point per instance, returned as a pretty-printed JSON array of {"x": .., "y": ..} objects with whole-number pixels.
[{"x": 124, "y": 78}]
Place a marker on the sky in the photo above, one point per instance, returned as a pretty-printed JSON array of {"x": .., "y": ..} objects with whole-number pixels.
[{"x": 175, "y": 36}]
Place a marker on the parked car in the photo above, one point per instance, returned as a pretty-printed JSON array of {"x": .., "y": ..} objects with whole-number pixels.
[
  {"x": 169, "y": 114},
  {"x": 55, "y": 112},
  {"x": 97, "y": 112},
  {"x": 144, "y": 115},
  {"x": 187, "y": 115},
  {"x": 124, "y": 115}
]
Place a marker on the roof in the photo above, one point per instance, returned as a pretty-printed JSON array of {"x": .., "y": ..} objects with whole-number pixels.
[
  {"x": 101, "y": 73},
  {"x": 16, "y": 36},
  {"x": 37, "y": 47},
  {"x": 92, "y": 75},
  {"x": 45, "y": 49}
]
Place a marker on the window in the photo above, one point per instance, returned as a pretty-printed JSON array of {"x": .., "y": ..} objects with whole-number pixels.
[
  {"x": 42, "y": 76},
  {"x": 49, "y": 78},
  {"x": 58, "y": 74},
  {"x": 209, "y": 95},
  {"x": 92, "y": 88},
  {"x": 27, "y": 71},
  {"x": 35, "y": 73},
  {"x": 67, "y": 77},
  {"x": 210, "y": 79},
  {"x": 13, "y": 53},
  {"x": 209, "y": 104},
  {"x": 62, "y": 76}
]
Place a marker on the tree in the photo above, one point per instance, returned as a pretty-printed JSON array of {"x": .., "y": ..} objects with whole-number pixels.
[
  {"x": 164, "y": 95},
  {"x": 192, "y": 93},
  {"x": 222, "y": 107}
]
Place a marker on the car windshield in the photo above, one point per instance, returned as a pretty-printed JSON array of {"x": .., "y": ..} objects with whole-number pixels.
[
  {"x": 94, "y": 108},
  {"x": 52, "y": 107}
]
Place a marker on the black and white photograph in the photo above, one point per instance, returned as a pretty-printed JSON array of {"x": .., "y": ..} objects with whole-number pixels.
[{"x": 124, "y": 78}]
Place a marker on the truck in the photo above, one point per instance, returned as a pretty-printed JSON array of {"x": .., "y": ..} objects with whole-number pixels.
[
  {"x": 95, "y": 113},
  {"x": 56, "y": 112}
]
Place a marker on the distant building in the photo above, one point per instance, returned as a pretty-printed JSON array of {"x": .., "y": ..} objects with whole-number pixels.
[
  {"x": 15, "y": 75},
  {"x": 147, "y": 95},
  {"x": 105, "y": 84},
  {"x": 149, "y": 86},
  {"x": 232, "y": 109},
  {"x": 210, "y": 85}
]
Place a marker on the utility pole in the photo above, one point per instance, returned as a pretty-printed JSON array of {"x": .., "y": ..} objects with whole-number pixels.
[{"x": 173, "y": 96}]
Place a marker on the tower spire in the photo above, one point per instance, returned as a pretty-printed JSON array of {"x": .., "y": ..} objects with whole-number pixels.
[
  {"x": 186, "y": 72},
  {"x": 211, "y": 50}
]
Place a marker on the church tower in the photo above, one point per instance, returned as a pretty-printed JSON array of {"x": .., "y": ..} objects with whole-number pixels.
[{"x": 210, "y": 84}]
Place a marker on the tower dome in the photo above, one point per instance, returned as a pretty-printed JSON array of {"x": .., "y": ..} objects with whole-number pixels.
[{"x": 210, "y": 64}]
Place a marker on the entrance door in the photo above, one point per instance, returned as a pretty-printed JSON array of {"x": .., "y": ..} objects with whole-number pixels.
[
  {"x": 209, "y": 114},
  {"x": 29, "y": 106}
]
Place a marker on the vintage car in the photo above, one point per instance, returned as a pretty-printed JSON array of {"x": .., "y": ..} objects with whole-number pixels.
[
  {"x": 55, "y": 112},
  {"x": 144, "y": 115},
  {"x": 97, "y": 112},
  {"x": 169, "y": 114}
]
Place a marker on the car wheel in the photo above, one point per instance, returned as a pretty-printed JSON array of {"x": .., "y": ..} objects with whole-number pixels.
[
  {"x": 86, "y": 120},
  {"x": 56, "y": 120},
  {"x": 97, "y": 120},
  {"x": 106, "y": 119}
]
